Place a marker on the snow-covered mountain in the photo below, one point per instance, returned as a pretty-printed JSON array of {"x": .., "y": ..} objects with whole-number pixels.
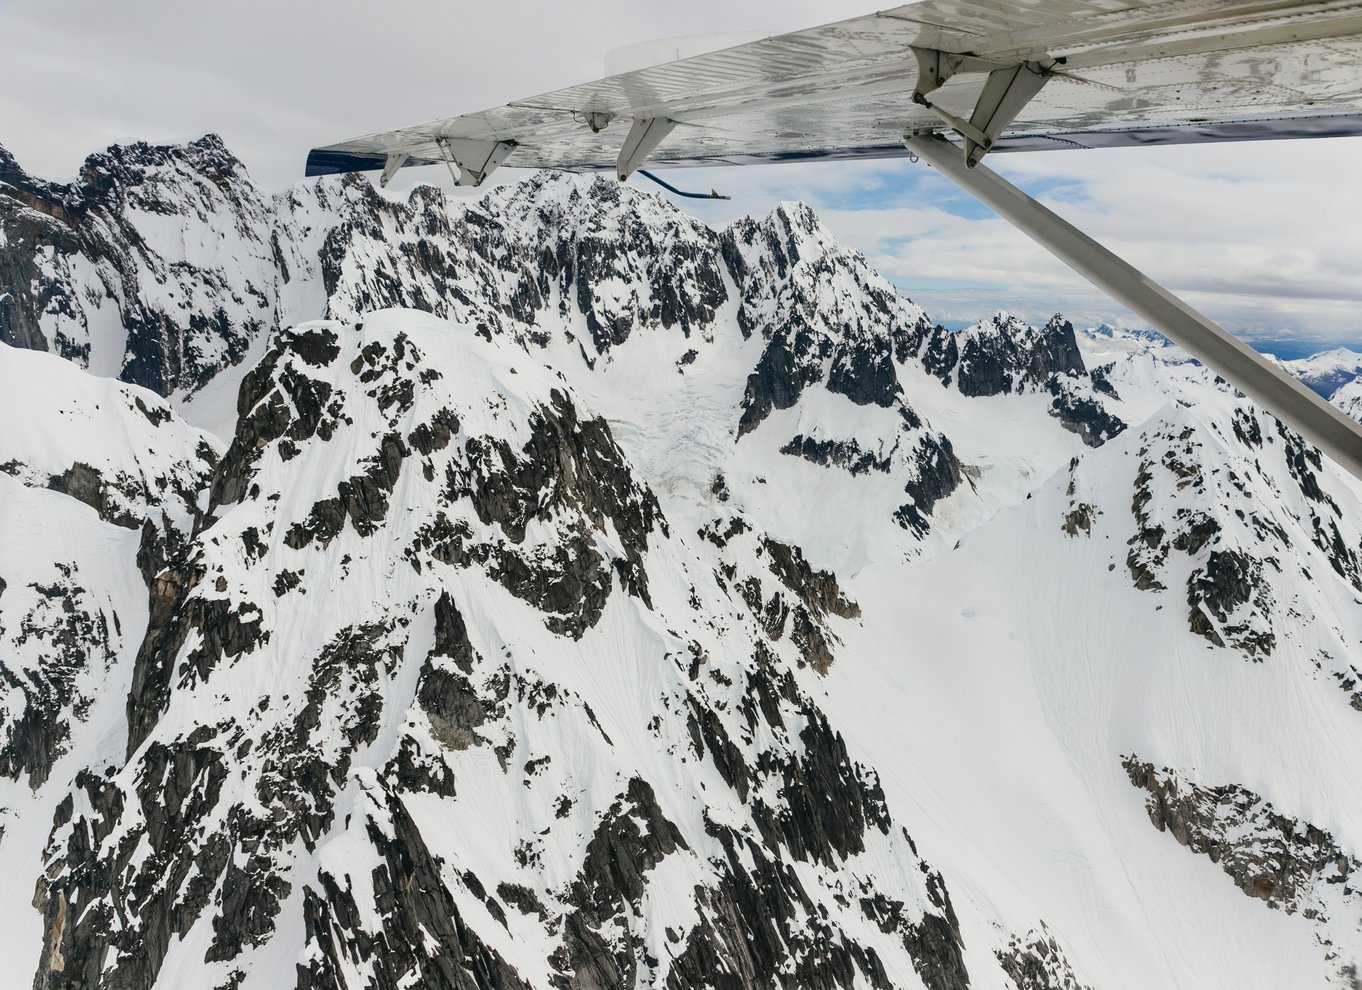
[
  {"x": 1327, "y": 371},
  {"x": 550, "y": 591},
  {"x": 1349, "y": 399}
]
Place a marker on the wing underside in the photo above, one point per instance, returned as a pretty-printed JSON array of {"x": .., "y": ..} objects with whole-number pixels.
[{"x": 1118, "y": 73}]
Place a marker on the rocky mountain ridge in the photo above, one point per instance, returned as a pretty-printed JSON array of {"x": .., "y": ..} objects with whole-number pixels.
[{"x": 661, "y": 607}]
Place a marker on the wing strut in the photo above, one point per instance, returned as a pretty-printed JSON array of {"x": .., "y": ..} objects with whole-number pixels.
[
  {"x": 1335, "y": 433},
  {"x": 1006, "y": 92},
  {"x": 644, "y": 136},
  {"x": 476, "y": 159}
]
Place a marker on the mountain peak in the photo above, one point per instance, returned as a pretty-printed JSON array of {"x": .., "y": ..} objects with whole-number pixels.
[
  {"x": 137, "y": 161},
  {"x": 8, "y": 164}
]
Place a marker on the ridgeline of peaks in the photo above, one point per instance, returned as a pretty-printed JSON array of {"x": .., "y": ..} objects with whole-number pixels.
[{"x": 550, "y": 591}]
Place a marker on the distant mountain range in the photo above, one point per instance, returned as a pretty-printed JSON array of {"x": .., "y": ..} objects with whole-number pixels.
[{"x": 1325, "y": 372}]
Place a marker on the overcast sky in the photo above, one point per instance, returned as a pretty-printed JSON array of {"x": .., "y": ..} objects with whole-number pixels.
[{"x": 1265, "y": 237}]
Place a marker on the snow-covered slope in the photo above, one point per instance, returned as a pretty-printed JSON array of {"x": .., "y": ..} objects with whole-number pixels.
[
  {"x": 99, "y": 483},
  {"x": 559, "y": 729},
  {"x": 1327, "y": 371},
  {"x": 1349, "y": 399},
  {"x": 660, "y": 607}
]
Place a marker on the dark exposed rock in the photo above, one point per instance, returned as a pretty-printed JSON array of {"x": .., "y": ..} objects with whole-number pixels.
[
  {"x": 938, "y": 473},
  {"x": 1080, "y": 519},
  {"x": 1035, "y": 961},
  {"x": 830, "y": 801},
  {"x": 522, "y": 899},
  {"x": 1228, "y": 581},
  {"x": 816, "y": 589},
  {"x": 1305, "y": 464},
  {"x": 71, "y": 635},
  {"x": 1288, "y": 863},
  {"x": 566, "y": 465},
  {"x": 631, "y": 839},
  {"x": 708, "y": 734},
  {"x": 864, "y": 373},
  {"x": 1149, "y": 547},
  {"x": 935, "y": 942},
  {"x": 846, "y": 454},
  {"x": 250, "y": 901},
  {"x": 782, "y": 267},
  {"x": 110, "y": 917},
  {"x": 1000, "y": 356},
  {"x": 272, "y": 403},
  {"x": 720, "y": 536},
  {"x": 817, "y": 596},
  {"x": 759, "y": 917},
  {"x": 430, "y": 437},
  {"x": 1081, "y": 414},
  {"x": 451, "y": 635},
  {"x": 85, "y": 484},
  {"x": 453, "y": 707},
  {"x": 318, "y": 347},
  {"x": 775, "y": 384},
  {"x": 424, "y": 940},
  {"x": 300, "y": 778},
  {"x": 91, "y": 224},
  {"x": 1230, "y": 602},
  {"x": 166, "y": 633},
  {"x": 362, "y": 499},
  {"x": 178, "y": 786}
]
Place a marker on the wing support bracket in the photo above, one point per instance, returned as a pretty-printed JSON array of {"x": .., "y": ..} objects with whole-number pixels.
[
  {"x": 1006, "y": 92},
  {"x": 644, "y": 136},
  {"x": 1324, "y": 425},
  {"x": 394, "y": 161},
  {"x": 476, "y": 159}
]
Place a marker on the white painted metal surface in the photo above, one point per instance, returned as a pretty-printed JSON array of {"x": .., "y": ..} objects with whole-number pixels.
[
  {"x": 645, "y": 134},
  {"x": 646, "y": 54},
  {"x": 1324, "y": 425}
]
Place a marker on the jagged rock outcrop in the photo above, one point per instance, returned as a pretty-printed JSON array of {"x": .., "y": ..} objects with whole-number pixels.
[
  {"x": 92, "y": 509},
  {"x": 462, "y": 467},
  {"x": 1001, "y": 355},
  {"x": 824, "y": 315},
  {"x": 160, "y": 264},
  {"x": 1006, "y": 356},
  {"x": 1204, "y": 493},
  {"x": 544, "y": 263},
  {"x": 1289, "y": 864},
  {"x": 1035, "y": 961}
]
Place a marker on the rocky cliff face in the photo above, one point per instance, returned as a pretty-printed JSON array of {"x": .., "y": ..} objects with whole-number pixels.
[
  {"x": 1289, "y": 864},
  {"x": 513, "y": 542},
  {"x": 157, "y": 265},
  {"x": 595, "y": 600},
  {"x": 111, "y": 477}
]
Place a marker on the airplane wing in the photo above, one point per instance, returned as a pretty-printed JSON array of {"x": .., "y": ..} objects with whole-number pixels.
[
  {"x": 948, "y": 82},
  {"x": 1114, "y": 72}
]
